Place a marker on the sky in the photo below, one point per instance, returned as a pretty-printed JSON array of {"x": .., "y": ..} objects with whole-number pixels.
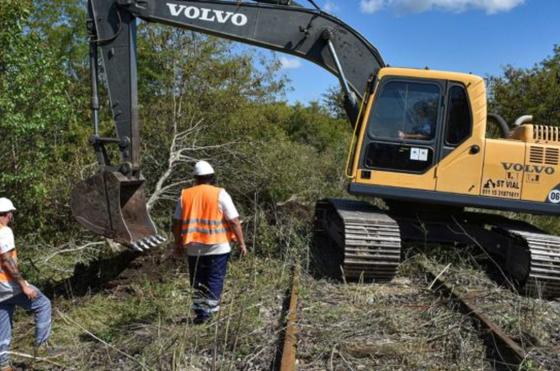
[{"x": 476, "y": 36}]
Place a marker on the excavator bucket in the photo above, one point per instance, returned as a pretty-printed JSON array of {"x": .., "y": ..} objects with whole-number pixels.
[{"x": 114, "y": 206}]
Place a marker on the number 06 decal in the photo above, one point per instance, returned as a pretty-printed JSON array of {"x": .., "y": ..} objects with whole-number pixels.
[{"x": 554, "y": 196}]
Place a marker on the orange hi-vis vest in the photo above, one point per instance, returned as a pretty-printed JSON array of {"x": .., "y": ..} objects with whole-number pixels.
[
  {"x": 5, "y": 276},
  {"x": 202, "y": 220}
]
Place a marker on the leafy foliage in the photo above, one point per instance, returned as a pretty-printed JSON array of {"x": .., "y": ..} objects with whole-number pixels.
[
  {"x": 275, "y": 159},
  {"x": 534, "y": 91},
  {"x": 266, "y": 152},
  {"x": 37, "y": 121}
]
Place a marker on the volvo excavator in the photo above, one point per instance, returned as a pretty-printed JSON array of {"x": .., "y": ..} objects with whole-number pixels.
[{"x": 419, "y": 144}]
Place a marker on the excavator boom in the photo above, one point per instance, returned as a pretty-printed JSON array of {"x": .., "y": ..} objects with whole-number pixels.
[{"x": 112, "y": 202}]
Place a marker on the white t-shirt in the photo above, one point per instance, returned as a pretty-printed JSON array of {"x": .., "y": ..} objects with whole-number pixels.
[
  {"x": 7, "y": 243},
  {"x": 225, "y": 204}
]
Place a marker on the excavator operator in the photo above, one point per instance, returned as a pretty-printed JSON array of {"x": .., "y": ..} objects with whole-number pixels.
[{"x": 425, "y": 117}]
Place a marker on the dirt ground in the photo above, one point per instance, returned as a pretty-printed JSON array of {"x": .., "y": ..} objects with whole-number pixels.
[{"x": 140, "y": 320}]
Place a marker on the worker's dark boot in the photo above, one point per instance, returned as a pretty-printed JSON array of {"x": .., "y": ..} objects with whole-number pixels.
[
  {"x": 200, "y": 319},
  {"x": 46, "y": 350}
]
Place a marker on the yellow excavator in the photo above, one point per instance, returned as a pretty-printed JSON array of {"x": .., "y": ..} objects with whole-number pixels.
[{"x": 419, "y": 144}]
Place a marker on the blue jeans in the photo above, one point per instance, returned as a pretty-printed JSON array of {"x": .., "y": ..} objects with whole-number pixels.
[
  {"x": 207, "y": 273},
  {"x": 41, "y": 309}
]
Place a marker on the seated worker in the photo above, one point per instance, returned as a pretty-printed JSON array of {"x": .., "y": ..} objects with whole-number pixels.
[{"x": 426, "y": 118}]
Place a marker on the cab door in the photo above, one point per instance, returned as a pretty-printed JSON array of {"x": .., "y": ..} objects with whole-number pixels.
[
  {"x": 461, "y": 151},
  {"x": 400, "y": 143}
]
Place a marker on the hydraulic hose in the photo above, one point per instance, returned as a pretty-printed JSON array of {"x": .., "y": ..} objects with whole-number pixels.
[{"x": 504, "y": 128}]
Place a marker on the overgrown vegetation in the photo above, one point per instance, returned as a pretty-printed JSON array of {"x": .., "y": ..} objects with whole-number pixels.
[
  {"x": 202, "y": 98},
  {"x": 142, "y": 322},
  {"x": 532, "y": 322},
  {"x": 529, "y": 91},
  {"x": 269, "y": 155},
  {"x": 400, "y": 325}
]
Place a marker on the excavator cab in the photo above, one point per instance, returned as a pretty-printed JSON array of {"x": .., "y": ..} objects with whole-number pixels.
[
  {"x": 423, "y": 138},
  {"x": 114, "y": 206},
  {"x": 418, "y": 135}
]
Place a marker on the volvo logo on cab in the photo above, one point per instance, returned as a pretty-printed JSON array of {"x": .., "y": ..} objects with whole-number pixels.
[{"x": 208, "y": 15}]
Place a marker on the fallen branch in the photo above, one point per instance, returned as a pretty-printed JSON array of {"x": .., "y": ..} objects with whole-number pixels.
[
  {"x": 182, "y": 146},
  {"x": 438, "y": 276},
  {"x": 79, "y": 248},
  {"x": 40, "y": 359}
]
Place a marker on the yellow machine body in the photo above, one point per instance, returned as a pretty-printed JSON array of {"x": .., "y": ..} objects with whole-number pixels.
[{"x": 456, "y": 164}]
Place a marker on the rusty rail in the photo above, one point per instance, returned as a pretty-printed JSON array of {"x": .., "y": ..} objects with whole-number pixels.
[
  {"x": 288, "y": 360},
  {"x": 509, "y": 352}
]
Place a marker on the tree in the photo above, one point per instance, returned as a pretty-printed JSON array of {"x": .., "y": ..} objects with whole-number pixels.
[
  {"x": 36, "y": 119},
  {"x": 333, "y": 99},
  {"x": 186, "y": 77},
  {"x": 200, "y": 97},
  {"x": 534, "y": 91}
]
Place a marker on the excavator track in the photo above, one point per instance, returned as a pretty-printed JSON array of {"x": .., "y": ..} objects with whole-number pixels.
[
  {"x": 357, "y": 239},
  {"x": 543, "y": 277},
  {"x": 361, "y": 241}
]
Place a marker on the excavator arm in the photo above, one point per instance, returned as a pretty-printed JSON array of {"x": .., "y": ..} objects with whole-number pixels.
[{"x": 112, "y": 202}]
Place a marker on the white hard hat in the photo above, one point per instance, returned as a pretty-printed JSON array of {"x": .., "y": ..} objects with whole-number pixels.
[
  {"x": 6, "y": 205},
  {"x": 203, "y": 168}
]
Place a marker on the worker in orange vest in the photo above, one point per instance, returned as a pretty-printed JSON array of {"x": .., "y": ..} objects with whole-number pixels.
[
  {"x": 16, "y": 291},
  {"x": 205, "y": 223}
]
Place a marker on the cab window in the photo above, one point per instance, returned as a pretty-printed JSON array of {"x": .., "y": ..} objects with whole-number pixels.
[
  {"x": 459, "y": 121},
  {"x": 405, "y": 111}
]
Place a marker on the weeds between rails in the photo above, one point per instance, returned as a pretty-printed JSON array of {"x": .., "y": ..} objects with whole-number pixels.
[
  {"x": 520, "y": 331},
  {"x": 394, "y": 325},
  {"x": 356, "y": 326},
  {"x": 501, "y": 349},
  {"x": 404, "y": 325}
]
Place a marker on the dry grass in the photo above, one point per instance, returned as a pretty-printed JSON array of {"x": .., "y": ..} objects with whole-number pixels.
[
  {"x": 143, "y": 324},
  {"x": 533, "y": 322},
  {"x": 140, "y": 321},
  {"x": 398, "y": 325}
]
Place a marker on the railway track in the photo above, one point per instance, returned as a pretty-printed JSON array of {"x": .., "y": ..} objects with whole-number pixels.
[
  {"x": 372, "y": 331},
  {"x": 508, "y": 354},
  {"x": 288, "y": 345},
  {"x": 512, "y": 343},
  {"x": 420, "y": 321}
]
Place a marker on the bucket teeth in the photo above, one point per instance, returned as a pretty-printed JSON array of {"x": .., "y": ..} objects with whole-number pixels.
[
  {"x": 147, "y": 243},
  {"x": 143, "y": 245},
  {"x": 135, "y": 247}
]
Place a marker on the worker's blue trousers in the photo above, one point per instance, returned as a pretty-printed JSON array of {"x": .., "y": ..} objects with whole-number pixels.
[
  {"x": 207, "y": 275},
  {"x": 41, "y": 309}
]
